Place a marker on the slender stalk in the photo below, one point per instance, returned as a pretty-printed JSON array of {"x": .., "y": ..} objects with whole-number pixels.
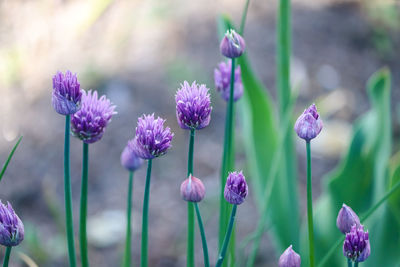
[
  {"x": 309, "y": 206},
  {"x": 227, "y": 237},
  {"x": 83, "y": 210},
  {"x": 190, "y": 235},
  {"x": 127, "y": 253},
  {"x": 244, "y": 16},
  {"x": 145, "y": 219},
  {"x": 68, "y": 196},
  {"x": 349, "y": 263},
  {"x": 330, "y": 252},
  {"x": 3, "y": 170},
  {"x": 7, "y": 257},
  {"x": 356, "y": 264},
  {"x": 203, "y": 236}
]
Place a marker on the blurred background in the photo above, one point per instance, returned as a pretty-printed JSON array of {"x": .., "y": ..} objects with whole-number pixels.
[{"x": 138, "y": 53}]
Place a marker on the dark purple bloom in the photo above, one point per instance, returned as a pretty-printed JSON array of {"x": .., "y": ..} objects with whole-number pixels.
[
  {"x": 192, "y": 189},
  {"x": 356, "y": 246},
  {"x": 346, "y": 219},
  {"x": 232, "y": 45},
  {"x": 235, "y": 188},
  {"x": 193, "y": 106},
  {"x": 222, "y": 78},
  {"x": 11, "y": 227},
  {"x": 289, "y": 258},
  {"x": 90, "y": 122},
  {"x": 130, "y": 160},
  {"x": 66, "y": 96},
  {"x": 152, "y": 139},
  {"x": 309, "y": 124}
]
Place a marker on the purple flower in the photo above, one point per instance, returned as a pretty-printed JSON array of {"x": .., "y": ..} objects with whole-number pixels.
[
  {"x": 192, "y": 189},
  {"x": 66, "y": 96},
  {"x": 309, "y": 124},
  {"x": 346, "y": 219},
  {"x": 356, "y": 246},
  {"x": 222, "y": 78},
  {"x": 11, "y": 227},
  {"x": 232, "y": 45},
  {"x": 152, "y": 139},
  {"x": 193, "y": 106},
  {"x": 130, "y": 160},
  {"x": 235, "y": 188},
  {"x": 90, "y": 122},
  {"x": 289, "y": 258}
]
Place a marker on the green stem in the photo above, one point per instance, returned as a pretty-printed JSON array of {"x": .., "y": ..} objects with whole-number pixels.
[
  {"x": 356, "y": 264},
  {"x": 203, "y": 236},
  {"x": 83, "y": 210},
  {"x": 395, "y": 187},
  {"x": 349, "y": 263},
  {"x": 190, "y": 220},
  {"x": 309, "y": 206},
  {"x": 68, "y": 196},
  {"x": 244, "y": 16},
  {"x": 227, "y": 237},
  {"x": 127, "y": 253},
  {"x": 7, "y": 257},
  {"x": 145, "y": 219},
  {"x": 3, "y": 170}
]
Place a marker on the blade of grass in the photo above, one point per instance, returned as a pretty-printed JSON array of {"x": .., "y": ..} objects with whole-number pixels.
[{"x": 3, "y": 170}]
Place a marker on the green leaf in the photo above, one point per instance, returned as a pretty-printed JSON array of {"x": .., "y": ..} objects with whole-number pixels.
[{"x": 3, "y": 170}]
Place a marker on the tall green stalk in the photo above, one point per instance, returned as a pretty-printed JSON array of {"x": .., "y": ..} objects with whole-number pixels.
[
  {"x": 7, "y": 257},
  {"x": 68, "y": 196},
  {"x": 309, "y": 207},
  {"x": 190, "y": 219},
  {"x": 228, "y": 161},
  {"x": 83, "y": 210},
  {"x": 145, "y": 219},
  {"x": 226, "y": 238},
  {"x": 349, "y": 263},
  {"x": 3, "y": 170},
  {"x": 356, "y": 264},
  {"x": 203, "y": 236},
  {"x": 244, "y": 16},
  {"x": 127, "y": 252}
]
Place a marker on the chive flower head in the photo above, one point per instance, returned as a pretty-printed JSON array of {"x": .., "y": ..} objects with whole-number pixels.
[
  {"x": 130, "y": 160},
  {"x": 356, "y": 246},
  {"x": 66, "y": 96},
  {"x": 235, "y": 188},
  {"x": 152, "y": 139},
  {"x": 193, "y": 106},
  {"x": 192, "y": 189},
  {"x": 346, "y": 219},
  {"x": 309, "y": 124},
  {"x": 222, "y": 79},
  {"x": 232, "y": 45},
  {"x": 289, "y": 258},
  {"x": 90, "y": 122},
  {"x": 11, "y": 227}
]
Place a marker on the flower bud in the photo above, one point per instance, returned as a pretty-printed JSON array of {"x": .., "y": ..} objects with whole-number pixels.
[
  {"x": 356, "y": 246},
  {"x": 235, "y": 188},
  {"x": 289, "y": 258},
  {"x": 11, "y": 227},
  {"x": 66, "y": 96},
  {"x": 346, "y": 219},
  {"x": 232, "y": 45},
  {"x": 192, "y": 189},
  {"x": 309, "y": 124},
  {"x": 130, "y": 160}
]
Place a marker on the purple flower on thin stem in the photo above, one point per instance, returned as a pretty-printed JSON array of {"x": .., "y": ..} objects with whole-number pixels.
[
  {"x": 232, "y": 45},
  {"x": 11, "y": 227},
  {"x": 235, "y": 188},
  {"x": 130, "y": 160},
  {"x": 193, "y": 106},
  {"x": 222, "y": 78},
  {"x": 152, "y": 139},
  {"x": 66, "y": 96},
  {"x": 90, "y": 122},
  {"x": 192, "y": 189},
  {"x": 309, "y": 124},
  {"x": 289, "y": 258},
  {"x": 346, "y": 219},
  {"x": 356, "y": 246}
]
